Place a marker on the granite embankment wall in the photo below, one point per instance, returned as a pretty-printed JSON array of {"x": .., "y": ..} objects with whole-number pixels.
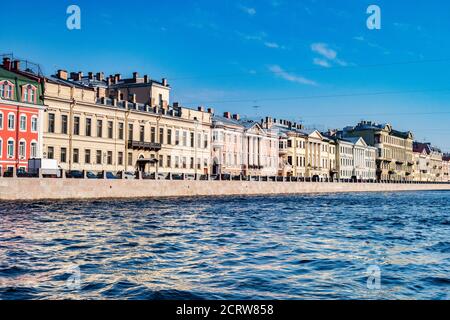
[{"x": 37, "y": 189}]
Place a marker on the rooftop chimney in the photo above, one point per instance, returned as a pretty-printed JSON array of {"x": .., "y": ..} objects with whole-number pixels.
[
  {"x": 16, "y": 65},
  {"x": 236, "y": 117},
  {"x": 164, "y": 82},
  {"x": 80, "y": 76},
  {"x": 227, "y": 115},
  {"x": 176, "y": 104},
  {"x": 117, "y": 77},
  {"x": 91, "y": 76},
  {"x": 6, "y": 63},
  {"x": 135, "y": 76},
  {"x": 61, "y": 74},
  {"x": 211, "y": 110},
  {"x": 201, "y": 108},
  {"x": 100, "y": 76},
  {"x": 146, "y": 78}
]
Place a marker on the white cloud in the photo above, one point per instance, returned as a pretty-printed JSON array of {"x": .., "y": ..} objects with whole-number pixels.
[
  {"x": 322, "y": 62},
  {"x": 273, "y": 45},
  {"x": 323, "y": 50},
  {"x": 281, "y": 73},
  {"x": 249, "y": 11},
  {"x": 328, "y": 55}
]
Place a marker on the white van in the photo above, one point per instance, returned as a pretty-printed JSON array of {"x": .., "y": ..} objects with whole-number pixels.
[{"x": 48, "y": 167}]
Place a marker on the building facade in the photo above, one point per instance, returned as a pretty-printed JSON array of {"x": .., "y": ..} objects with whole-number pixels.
[
  {"x": 394, "y": 149},
  {"x": 89, "y": 128},
  {"x": 21, "y": 113},
  {"x": 429, "y": 164}
]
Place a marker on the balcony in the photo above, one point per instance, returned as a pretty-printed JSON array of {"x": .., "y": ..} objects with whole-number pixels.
[{"x": 141, "y": 145}]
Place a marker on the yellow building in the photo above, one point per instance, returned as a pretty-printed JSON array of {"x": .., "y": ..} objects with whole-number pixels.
[{"x": 89, "y": 127}]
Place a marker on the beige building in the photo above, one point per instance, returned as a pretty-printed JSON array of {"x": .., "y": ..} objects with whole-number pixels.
[
  {"x": 243, "y": 147},
  {"x": 394, "y": 149},
  {"x": 89, "y": 127},
  {"x": 446, "y": 168},
  {"x": 292, "y": 146},
  {"x": 429, "y": 164}
]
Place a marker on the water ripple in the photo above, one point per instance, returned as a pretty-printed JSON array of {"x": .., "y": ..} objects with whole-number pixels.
[{"x": 286, "y": 247}]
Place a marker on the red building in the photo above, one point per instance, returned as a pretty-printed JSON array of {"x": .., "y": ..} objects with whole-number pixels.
[{"x": 21, "y": 109}]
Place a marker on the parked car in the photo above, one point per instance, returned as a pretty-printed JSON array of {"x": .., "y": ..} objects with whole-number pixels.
[
  {"x": 111, "y": 176},
  {"x": 74, "y": 174},
  {"x": 177, "y": 176},
  {"x": 189, "y": 176},
  {"x": 128, "y": 175},
  {"x": 92, "y": 175}
]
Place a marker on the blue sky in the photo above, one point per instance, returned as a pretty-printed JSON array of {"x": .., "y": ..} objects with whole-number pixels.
[{"x": 313, "y": 61}]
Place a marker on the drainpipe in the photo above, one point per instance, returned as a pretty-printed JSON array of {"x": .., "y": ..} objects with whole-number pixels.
[
  {"x": 158, "y": 118},
  {"x": 125, "y": 129}
]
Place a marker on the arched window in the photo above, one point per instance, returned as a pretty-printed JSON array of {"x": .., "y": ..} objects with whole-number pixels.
[
  {"x": 29, "y": 93},
  {"x": 33, "y": 149},
  {"x": 11, "y": 148},
  {"x": 6, "y": 90},
  {"x": 11, "y": 121},
  {"x": 22, "y": 149},
  {"x": 23, "y": 122}
]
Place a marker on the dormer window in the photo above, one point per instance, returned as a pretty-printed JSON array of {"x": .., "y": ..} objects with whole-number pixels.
[
  {"x": 6, "y": 90},
  {"x": 29, "y": 93}
]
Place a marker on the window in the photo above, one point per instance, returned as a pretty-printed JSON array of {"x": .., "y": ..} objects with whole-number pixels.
[
  {"x": 110, "y": 129},
  {"x": 1, "y": 120},
  {"x": 160, "y": 100},
  {"x": 142, "y": 133},
  {"x": 192, "y": 140},
  {"x": 130, "y": 132},
  {"x": 161, "y": 135},
  {"x": 153, "y": 134},
  {"x": 29, "y": 93},
  {"x": 161, "y": 161},
  {"x": 76, "y": 155},
  {"x": 63, "y": 124},
  {"x": 23, "y": 122},
  {"x": 1, "y": 148},
  {"x": 50, "y": 153},
  {"x": 76, "y": 126},
  {"x": 51, "y": 123},
  {"x": 22, "y": 149},
  {"x": 192, "y": 163},
  {"x": 34, "y": 124},
  {"x": 169, "y": 162},
  {"x": 6, "y": 90},
  {"x": 10, "y": 148},
  {"x": 206, "y": 141},
  {"x": 184, "y": 139},
  {"x": 98, "y": 157},
  {"x": 63, "y": 155},
  {"x": 11, "y": 121},
  {"x": 184, "y": 162},
  {"x": 87, "y": 156},
  {"x": 199, "y": 163},
  {"x": 99, "y": 128},
  {"x": 130, "y": 158},
  {"x": 177, "y": 137},
  {"x": 169, "y": 136},
  {"x": 88, "y": 127},
  {"x": 120, "y": 158},
  {"x": 177, "y": 162},
  {"x": 109, "y": 157},
  {"x": 120, "y": 130}
]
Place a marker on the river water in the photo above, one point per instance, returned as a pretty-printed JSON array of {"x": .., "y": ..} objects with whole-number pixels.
[{"x": 336, "y": 246}]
